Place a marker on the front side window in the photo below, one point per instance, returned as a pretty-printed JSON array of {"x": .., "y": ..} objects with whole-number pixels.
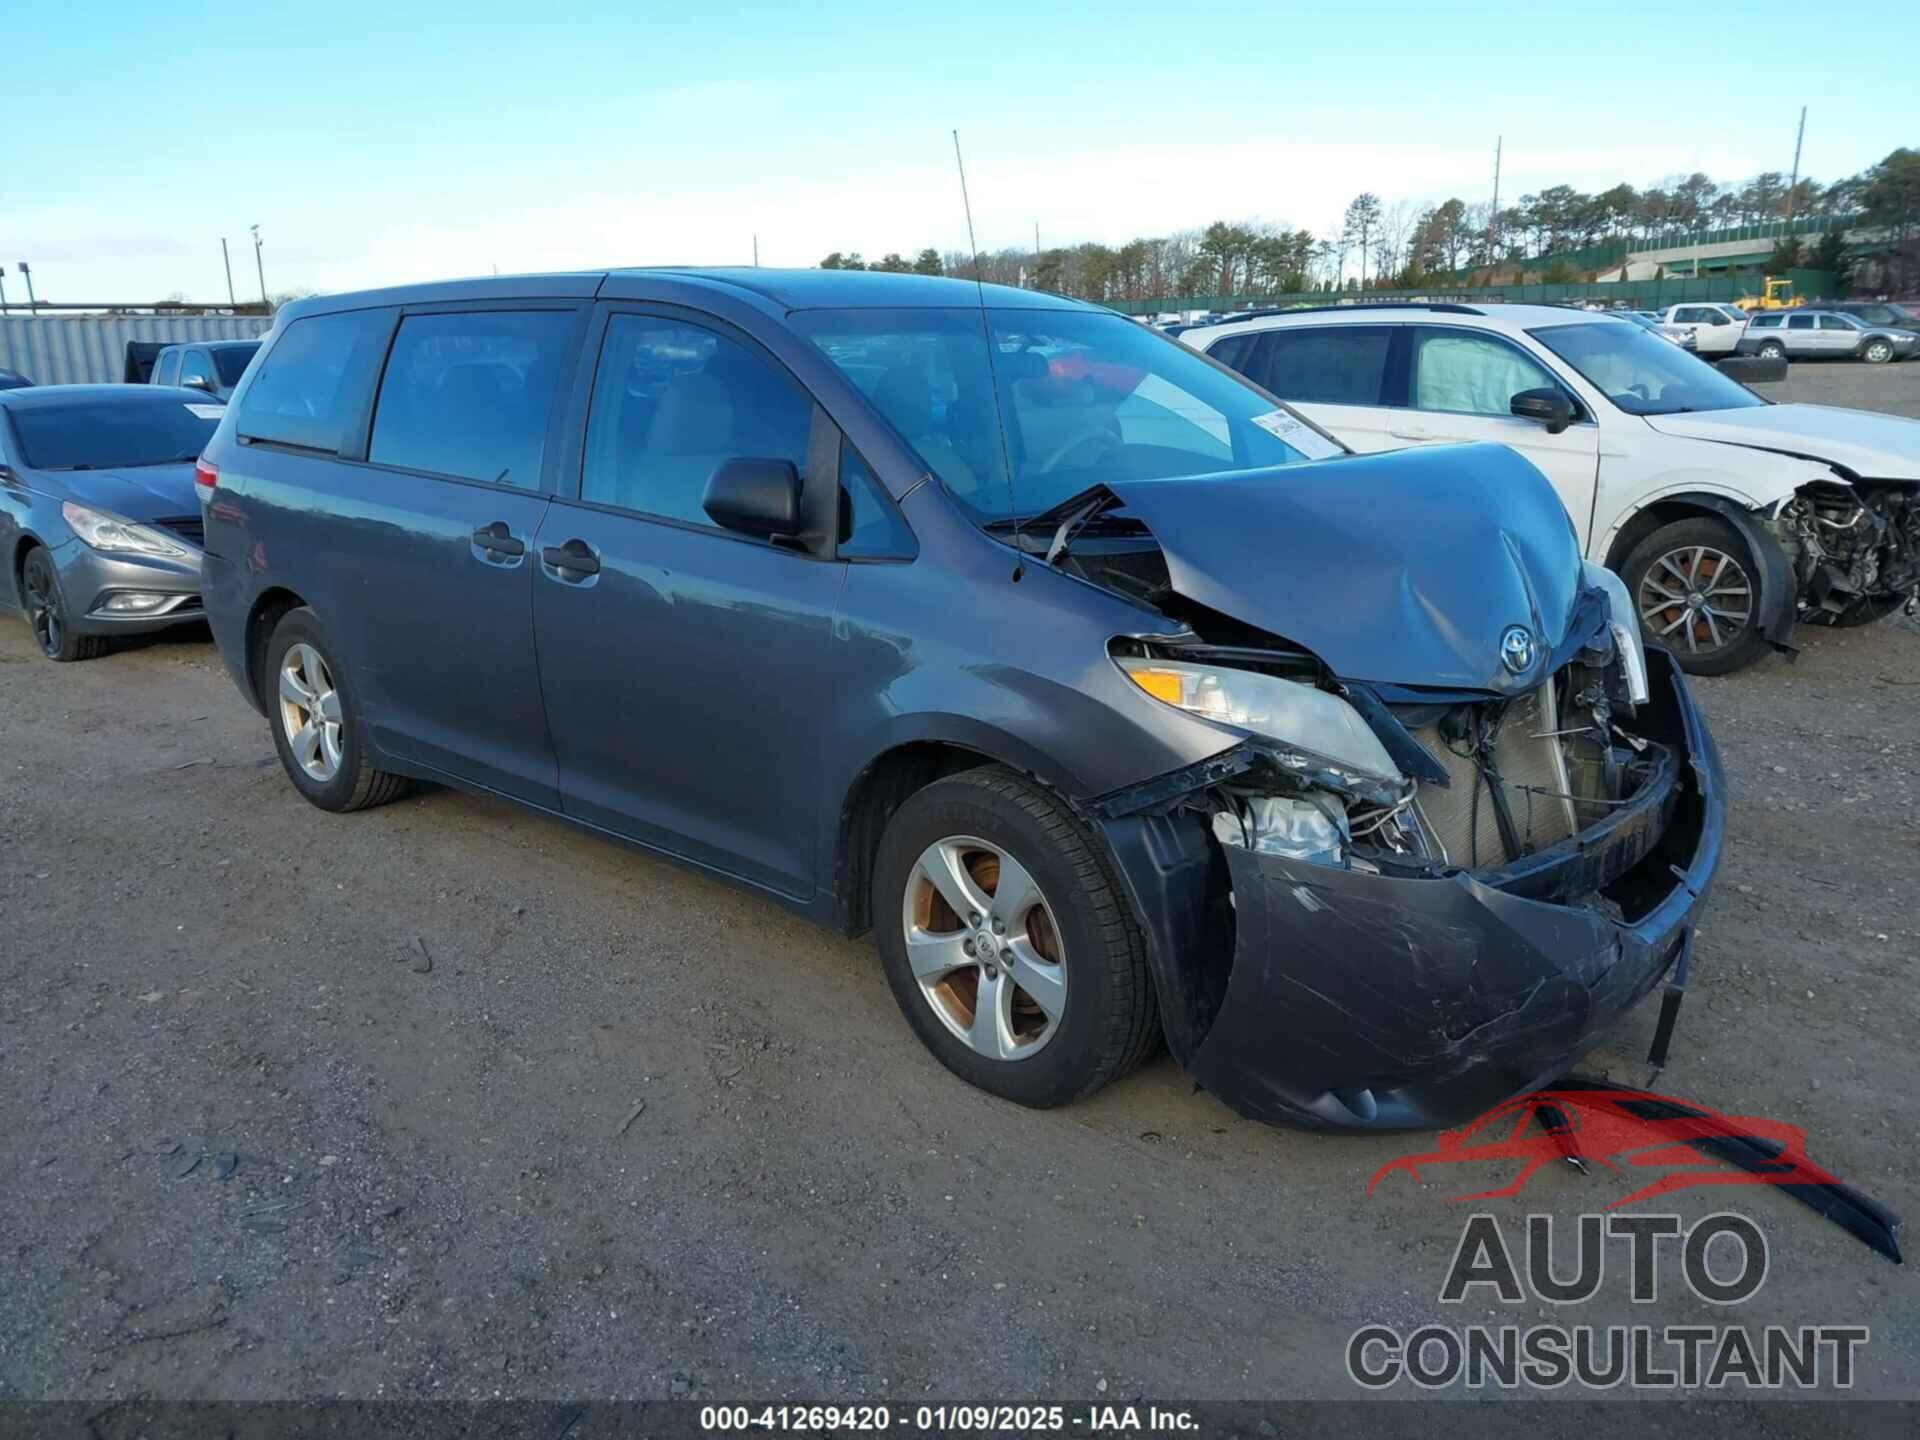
[
  {"x": 870, "y": 527},
  {"x": 472, "y": 394},
  {"x": 231, "y": 362},
  {"x": 112, "y": 434},
  {"x": 196, "y": 363},
  {"x": 1066, "y": 399},
  {"x": 672, "y": 402},
  {"x": 1837, "y": 322},
  {"x": 311, "y": 388},
  {"x": 1326, "y": 365},
  {"x": 167, "y": 371},
  {"x": 1466, "y": 374},
  {"x": 1641, "y": 373}
]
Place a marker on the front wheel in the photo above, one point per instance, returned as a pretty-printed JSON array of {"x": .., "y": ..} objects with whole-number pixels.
[
  {"x": 47, "y": 613},
  {"x": 1773, "y": 350},
  {"x": 1696, "y": 586},
  {"x": 1877, "y": 352},
  {"x": 1007, "y": 941}
]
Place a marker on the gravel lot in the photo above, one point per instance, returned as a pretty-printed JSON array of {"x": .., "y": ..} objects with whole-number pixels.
[{"x": 259, "y": 1145}]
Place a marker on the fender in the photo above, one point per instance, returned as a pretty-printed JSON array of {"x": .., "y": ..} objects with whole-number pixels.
[
  {"x": 1779, "y": 592},
  {"x": 1781, "y": 481}
]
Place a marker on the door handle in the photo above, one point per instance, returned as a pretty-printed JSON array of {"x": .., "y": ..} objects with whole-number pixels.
[
  {"x": 497, "y": 541},
  {"x": 576, "y": 557}
]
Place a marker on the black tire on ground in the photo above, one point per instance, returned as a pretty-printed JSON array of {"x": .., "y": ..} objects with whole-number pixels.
[
  {"x": 1754, "y": 369},
  {"x": 1109, "y": 1022},
  {"x": 356, "y": 784},
  {"x": 1687, "y": 544},
  {"x": 47, "y": 613},
  {"x": 1877, "y": 352},
  {"x": 1862, "y": 612}
]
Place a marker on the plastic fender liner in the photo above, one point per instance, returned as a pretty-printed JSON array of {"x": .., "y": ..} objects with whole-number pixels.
[{"x": 1778, "y": 590}]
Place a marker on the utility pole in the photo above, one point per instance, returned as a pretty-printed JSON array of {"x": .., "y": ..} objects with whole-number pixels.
[
  {"x": 26, "y": 274},
  {"x": 756, "y": 252},
  {"x": 3, "y": 289},
  {"x": 1794, "y": 183},
  {"x": 1036, "y": 239},
  {"x": 1493, "y": 215},
  {"x": 257, "y": 263},
  {"x": 227, "y": 260}
]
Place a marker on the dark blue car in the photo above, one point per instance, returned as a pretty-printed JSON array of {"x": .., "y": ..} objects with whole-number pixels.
[{"x": 1116, "y": 699}]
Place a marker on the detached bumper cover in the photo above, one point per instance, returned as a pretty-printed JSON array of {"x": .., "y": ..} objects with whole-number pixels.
[{"x": 1363, "y": 1002}]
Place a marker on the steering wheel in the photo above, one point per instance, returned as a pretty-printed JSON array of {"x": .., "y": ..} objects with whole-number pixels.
[{"x": 1101, "y": 442}]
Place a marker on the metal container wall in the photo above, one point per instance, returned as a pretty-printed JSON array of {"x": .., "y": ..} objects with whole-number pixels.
[{"x": 92, "y": 349}]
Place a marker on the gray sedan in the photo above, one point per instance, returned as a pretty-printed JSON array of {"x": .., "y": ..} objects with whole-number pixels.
[{"x": 100, "y": 524}]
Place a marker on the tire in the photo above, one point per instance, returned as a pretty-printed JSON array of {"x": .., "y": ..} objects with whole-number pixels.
[
  {"x": 1659, "y": 566},
  {"x": 1877, "y": 352},
  {"x": 336, "y": 773},
  {"x": 1773, "y": 350},
  {"x": 1864, "y": 611},
  {"x": 46, "y": 607},
  {"x": 1105, "y": 1021}
]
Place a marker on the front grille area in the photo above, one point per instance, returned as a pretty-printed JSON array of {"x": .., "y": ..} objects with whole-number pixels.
[
  {"x": 190, "y": 528},
  {"x": 1532, "y": 767}
]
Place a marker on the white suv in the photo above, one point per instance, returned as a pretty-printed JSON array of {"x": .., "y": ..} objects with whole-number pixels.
[
  {"x": 1728, "y": 517},
  {"x": 1714, "y": 328}
]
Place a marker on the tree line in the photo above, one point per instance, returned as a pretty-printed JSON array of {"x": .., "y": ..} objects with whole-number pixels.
[{"x": 1405, "y": 244}]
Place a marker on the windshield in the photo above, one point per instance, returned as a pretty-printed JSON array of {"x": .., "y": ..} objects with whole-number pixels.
[
  {"x": 231, "y": 362},
  {"x": 1640, "y": 372},
  {"x": 1086, "y": 397},
  {"x": 112, "y": 435}
]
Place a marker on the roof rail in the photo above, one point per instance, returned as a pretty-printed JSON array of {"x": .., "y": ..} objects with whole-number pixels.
[{"x": 1446, "y": 307}]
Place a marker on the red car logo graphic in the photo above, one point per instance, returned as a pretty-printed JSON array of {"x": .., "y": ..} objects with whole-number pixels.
[{"x": 1593, "y": 1122}]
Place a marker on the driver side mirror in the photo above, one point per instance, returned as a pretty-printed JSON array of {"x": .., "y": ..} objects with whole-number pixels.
[
  {"x": 197, "y": 382},
  {"x": 1547, "y": 405},
  {"x": 757, "y": 497}
]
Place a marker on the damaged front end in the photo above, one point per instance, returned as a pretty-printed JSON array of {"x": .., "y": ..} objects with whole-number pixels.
[
  {"x": 1853, "y": 546},
  {"x": 1397, "y": 902}
]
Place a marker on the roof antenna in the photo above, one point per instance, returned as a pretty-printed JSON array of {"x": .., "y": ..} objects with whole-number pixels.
[{"x": 993, "y": 380}]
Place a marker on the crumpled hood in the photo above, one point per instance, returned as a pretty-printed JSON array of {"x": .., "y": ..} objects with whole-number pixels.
[
  {"x": 144, "y": 493},
  {"x": 1871, "y": 445},
  {"x": 1404, "y": 568}
]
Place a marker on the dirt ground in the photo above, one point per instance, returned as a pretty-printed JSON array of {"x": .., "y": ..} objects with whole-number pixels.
[{"x": 447, "y": 1100}]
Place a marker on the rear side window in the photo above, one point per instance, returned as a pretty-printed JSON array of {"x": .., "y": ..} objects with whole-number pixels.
[
  {"x": 671, "y": 403},
  {"x": 311, "y": 389},
  {"x": 167, "y": 370},
  {"x": 1330, "y": 365},
  {"x": 1800, "y": 322},
  {"x": 472, "y": 394}
]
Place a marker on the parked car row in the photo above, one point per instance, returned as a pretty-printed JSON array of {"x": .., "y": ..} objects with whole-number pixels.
[
  {"x": 1118, "y": 698},
  {"x": 1729, "y": 518},
  {"x": 1825, "y": 335}
]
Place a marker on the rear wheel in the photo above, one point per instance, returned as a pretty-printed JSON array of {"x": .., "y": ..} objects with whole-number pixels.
[
  {"x": 1007, "y": 941},
  {"x": 47, "y": 612},
  {"x": 1696, "y": 587},
  {"x": 1877, "y": 351},
  {"x": 316, "y": 727}
]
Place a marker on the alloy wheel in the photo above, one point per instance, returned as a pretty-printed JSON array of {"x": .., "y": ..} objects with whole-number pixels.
[
  {"x": 1879, "y": 352},
  {"x": 43, "y": 606},
  {"x": 310, "y": 712},
  {"x": 1703, "y": 594},
  {"x": 984, "y": 948}
]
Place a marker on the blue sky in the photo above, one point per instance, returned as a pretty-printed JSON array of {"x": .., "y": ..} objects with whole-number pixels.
[{"x": 383, "y": 143}]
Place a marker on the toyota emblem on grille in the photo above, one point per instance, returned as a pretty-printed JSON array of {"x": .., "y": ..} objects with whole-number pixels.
[{"x": 1516, "y": 649}]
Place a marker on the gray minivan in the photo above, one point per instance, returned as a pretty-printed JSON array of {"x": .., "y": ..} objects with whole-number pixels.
[{"x": 1118, "y": 700}]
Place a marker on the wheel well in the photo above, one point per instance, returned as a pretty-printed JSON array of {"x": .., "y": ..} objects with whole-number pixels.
[
  {"x": 1661, "y": 512},
  {"x": 19, "y": 565},
  {"x": 267, "y": 610},
  {"x": 880, "y": 790}
]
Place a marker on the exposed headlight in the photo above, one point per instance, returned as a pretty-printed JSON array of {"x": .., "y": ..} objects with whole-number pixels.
[
  {"x": 1298, "y": 716},
  {"x": 1625, "y": 626},
  {"x": 120, "y": 537}
]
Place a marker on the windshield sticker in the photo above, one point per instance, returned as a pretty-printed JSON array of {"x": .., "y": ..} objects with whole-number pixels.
[
  {"x": 206, "y": 412},
  {"x": 1302, "y": 437}
]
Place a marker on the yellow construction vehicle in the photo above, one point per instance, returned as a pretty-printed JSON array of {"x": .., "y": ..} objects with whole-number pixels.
[{"x": 1776, "y": 294}]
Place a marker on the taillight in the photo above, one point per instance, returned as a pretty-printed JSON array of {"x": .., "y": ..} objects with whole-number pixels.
[{"x": 205, "y": 474}]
